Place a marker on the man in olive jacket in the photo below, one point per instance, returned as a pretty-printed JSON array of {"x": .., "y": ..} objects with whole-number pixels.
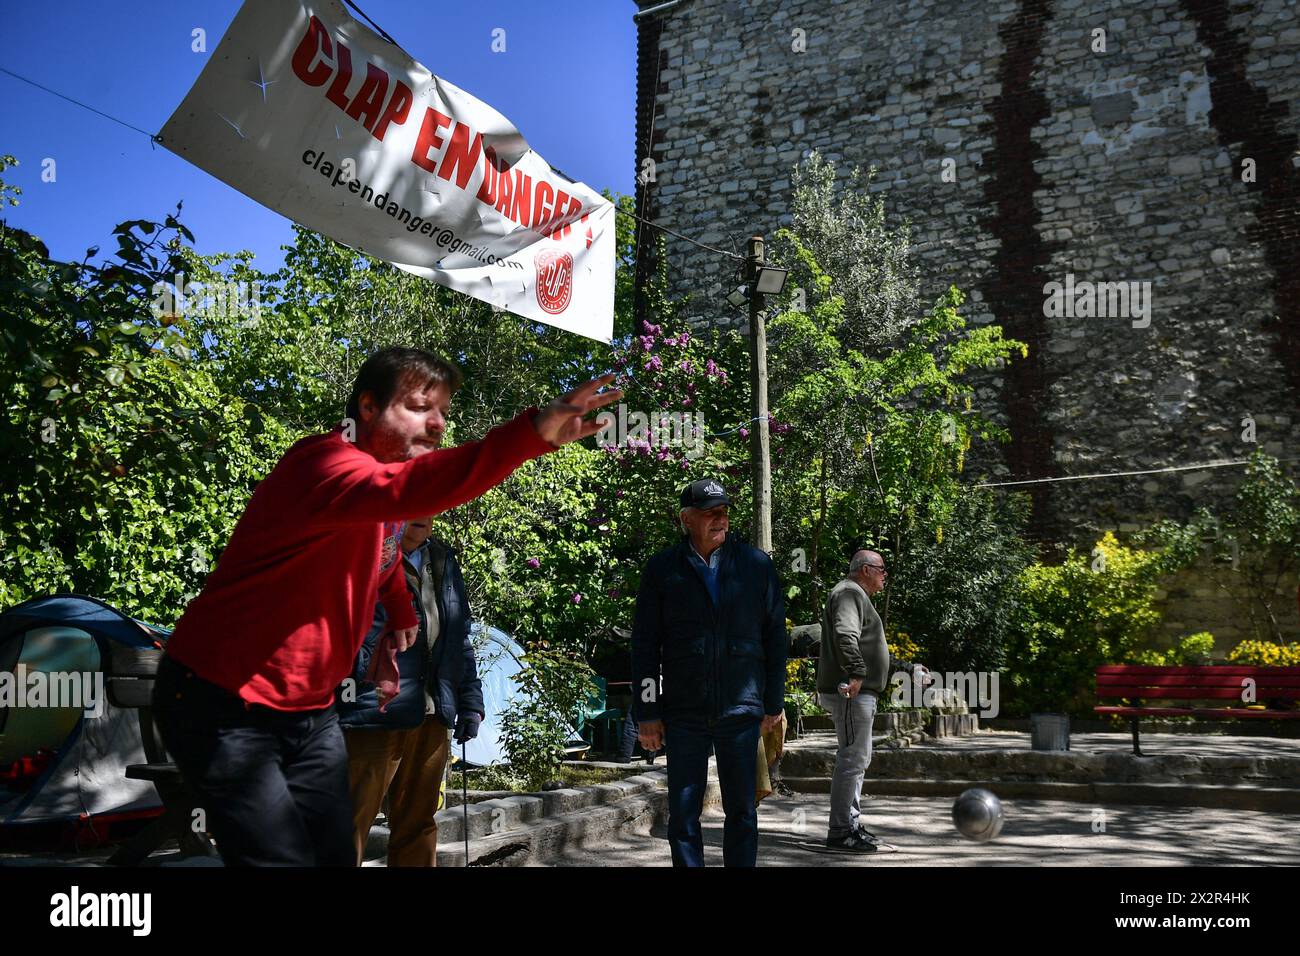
[
  {"x": 853, "y": 670},
  {"x": 711, "y": 616}
]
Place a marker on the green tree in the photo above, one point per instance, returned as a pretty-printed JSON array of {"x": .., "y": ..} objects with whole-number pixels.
[
  {"x": 126, "y": 461},
  {"x": 870, "y": 434},
  {"x": 959, "y": 597},
  {"x": 848, "y": 231}
]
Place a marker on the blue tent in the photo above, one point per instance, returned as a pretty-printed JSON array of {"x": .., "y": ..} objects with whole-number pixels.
[
  {"x": 66, "y": 762},
  {"x": 499, "y": 660}
]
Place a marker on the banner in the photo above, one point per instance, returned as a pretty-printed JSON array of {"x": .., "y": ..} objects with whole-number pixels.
[{"x": 314, "y": 115}]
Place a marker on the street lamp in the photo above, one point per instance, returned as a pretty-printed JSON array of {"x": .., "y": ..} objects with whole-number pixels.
[{"x": 770, "y": 280}]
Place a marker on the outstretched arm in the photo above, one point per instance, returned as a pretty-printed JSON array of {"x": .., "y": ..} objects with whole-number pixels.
[{"x": 352, "y": 489}]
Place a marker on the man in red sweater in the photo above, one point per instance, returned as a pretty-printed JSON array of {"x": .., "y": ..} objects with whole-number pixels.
[{"x": 244, "y": 696}]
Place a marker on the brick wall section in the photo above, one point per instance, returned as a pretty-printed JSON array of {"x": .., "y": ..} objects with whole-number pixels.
[{"x": 1014, "y": 282}]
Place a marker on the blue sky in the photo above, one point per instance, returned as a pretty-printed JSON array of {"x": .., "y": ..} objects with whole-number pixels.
[{"x": 566, "y": 80}]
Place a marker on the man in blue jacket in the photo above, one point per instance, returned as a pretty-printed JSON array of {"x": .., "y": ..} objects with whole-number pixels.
[
  {"x": 402, "y": 750},
  {"x": 710, "y": 616}
]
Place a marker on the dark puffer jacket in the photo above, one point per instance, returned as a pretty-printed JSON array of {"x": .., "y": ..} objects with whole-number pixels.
[
  {"x": 448, "y": 672},
  {"x": 719, "y": 662}
]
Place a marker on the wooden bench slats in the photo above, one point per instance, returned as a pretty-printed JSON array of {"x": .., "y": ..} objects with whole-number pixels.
[
  {"x": 1196, "y": 693},
  {"x": 1221, "y": 713},
  {"x": 1210, "y": 693},
  {"x": 1139, "y": 682},
  {"x": 1178, "y": 680},
  {"x": 1195, "y": 670}
]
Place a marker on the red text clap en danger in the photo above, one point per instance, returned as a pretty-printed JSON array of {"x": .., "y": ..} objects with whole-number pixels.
[{"x": 546, "y": 209}]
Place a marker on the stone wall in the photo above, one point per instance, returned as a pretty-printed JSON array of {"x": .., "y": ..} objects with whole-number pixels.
[
  {"x": 1195, "y": 600},
  {"x": 1023, "y": 155}
]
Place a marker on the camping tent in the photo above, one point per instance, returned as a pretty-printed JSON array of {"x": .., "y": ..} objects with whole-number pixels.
[
  {"x": 499, "y": 659},
  {"x": 62, "y": 763},
  {"x": 58, "y": 764}
]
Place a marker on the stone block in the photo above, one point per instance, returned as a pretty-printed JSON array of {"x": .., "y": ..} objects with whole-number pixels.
[
  {"x": 451, "y": 825},
  {"x": 479, "y": 817},
  {"x": 530, "y": 808},
  {"x": 567, "y": 800},
  {"x": 649, "y": 780},
  {"x": 1112, "y": 109},
  {"x": 506, "y": 813}
]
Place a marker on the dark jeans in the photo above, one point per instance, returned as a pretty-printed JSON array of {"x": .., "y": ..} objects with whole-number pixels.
[
  {"x": 735, "y": 742},
  {"x": 627, "y": 746},
  {"x": 272, "y": 784}
]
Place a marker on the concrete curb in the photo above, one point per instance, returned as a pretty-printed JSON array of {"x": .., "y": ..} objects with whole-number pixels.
[
  {"x": 1066, "y": 767},
  {"x": 1287, "y": 729},
  {"x": 1273, "y": 799},
  {"x": 529, "y": 828}
]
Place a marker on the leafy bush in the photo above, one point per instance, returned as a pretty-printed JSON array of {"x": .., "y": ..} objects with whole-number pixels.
[
  {"x": 1259, "y": 535},
  {"x": 1087, "y": 611},
  {"x": 554, "y": 684},
  {"x": 127, "y": 456},
  {"x": 801, "y": 688},
  {"x": 904, "y": 648},
  {"x": 1192, "y": 649}
]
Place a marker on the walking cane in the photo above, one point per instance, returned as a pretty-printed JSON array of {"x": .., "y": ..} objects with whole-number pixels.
[{"x": 464, "y": 798}]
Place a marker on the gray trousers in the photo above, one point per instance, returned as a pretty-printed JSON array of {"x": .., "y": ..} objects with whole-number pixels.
[{"x": 853, "y": 718}]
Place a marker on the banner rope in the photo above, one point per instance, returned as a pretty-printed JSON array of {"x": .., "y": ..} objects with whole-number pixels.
[
  {"x": 156, "y": 138},
  {"x": 378, "y": 29},
  {"x": 153, "y": 137}
]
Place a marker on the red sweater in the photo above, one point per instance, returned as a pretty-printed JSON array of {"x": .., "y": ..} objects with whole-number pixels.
[{"x": 281, "y": 618}]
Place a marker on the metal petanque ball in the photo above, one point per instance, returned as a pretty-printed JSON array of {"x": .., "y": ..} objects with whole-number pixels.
[{"x": 977, "y": 815}]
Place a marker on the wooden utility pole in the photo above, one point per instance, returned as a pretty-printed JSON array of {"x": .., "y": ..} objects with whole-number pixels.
[{"x": 758, "y": 435}]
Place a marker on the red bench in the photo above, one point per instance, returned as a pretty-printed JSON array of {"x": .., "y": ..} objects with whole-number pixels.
[{"x": 1227, "y": 685}]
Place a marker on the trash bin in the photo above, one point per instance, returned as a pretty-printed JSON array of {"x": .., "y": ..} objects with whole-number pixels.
[{"x": 1050, "y": 731}]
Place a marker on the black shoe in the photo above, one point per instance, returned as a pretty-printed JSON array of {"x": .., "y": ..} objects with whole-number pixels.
[
  {"x": 854, "y": 842},
  {"x": 867, "y": 835}
]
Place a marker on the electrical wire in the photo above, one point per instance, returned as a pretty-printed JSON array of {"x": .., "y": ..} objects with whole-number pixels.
[
  {"x": 732, "y": 431},
  {"x": 1123, "y": 474},
  {"x": 678, "y": 235}
]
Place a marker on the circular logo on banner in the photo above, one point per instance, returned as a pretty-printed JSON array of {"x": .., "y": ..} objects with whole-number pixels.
[{"x": 554, "y": 280}]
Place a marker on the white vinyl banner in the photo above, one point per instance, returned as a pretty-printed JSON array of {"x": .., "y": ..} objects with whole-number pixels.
[{"x": 316, "y": 116}]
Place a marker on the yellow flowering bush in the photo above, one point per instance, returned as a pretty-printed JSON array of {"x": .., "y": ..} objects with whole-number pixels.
[
  {"x": 1265, "y": 654},
  {"x": 903, "y": 647}
]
